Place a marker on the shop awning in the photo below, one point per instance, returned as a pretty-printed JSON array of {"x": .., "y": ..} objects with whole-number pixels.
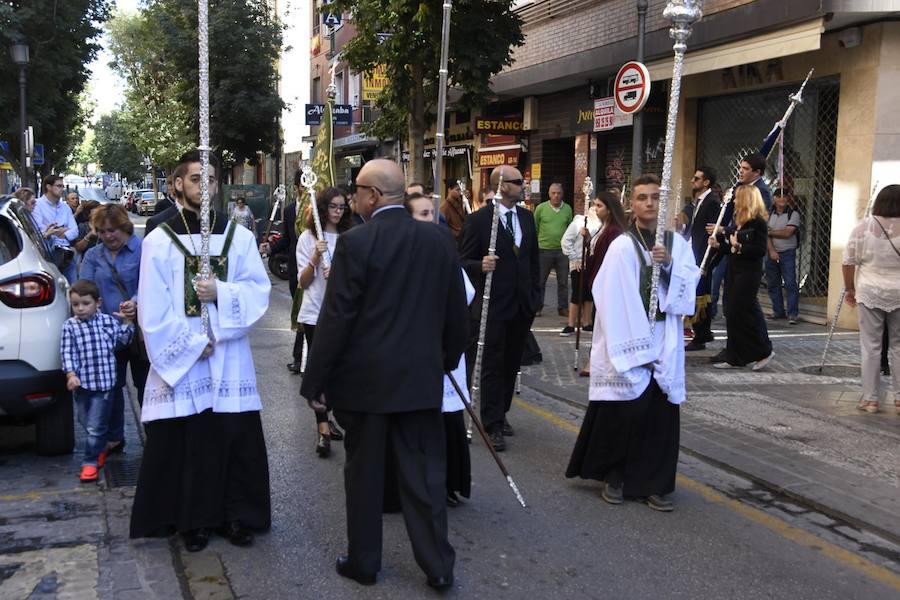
[{"x": 805, "y": 37}]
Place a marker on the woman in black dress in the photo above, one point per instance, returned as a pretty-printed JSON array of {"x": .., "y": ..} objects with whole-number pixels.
[{"x": 748, "y": 339}]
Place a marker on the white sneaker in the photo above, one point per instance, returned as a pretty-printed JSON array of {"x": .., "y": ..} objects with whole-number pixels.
[
  {"x": 761, "y": 364},
  {"x": 725, "y": 365}
]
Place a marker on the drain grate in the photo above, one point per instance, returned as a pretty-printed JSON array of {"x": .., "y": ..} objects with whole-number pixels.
[
  {"x": 833, "y": 370},
  {"x": 122, "y": 473}
]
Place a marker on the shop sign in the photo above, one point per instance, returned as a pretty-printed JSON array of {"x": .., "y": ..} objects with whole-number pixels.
[
  {"x": 341, "y": 114},
  {"x": 374, "y": 82},
  {"x": 499, "y": 125},
  {"x": 607, "y": 116},
  {"x": 449, "y": 152},
  {"x": 497, "y": 158},
  {"x": 582, "y": 117}
]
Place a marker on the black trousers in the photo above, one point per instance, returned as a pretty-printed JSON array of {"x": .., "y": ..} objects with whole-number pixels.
[
  {"x": 310, "y": 332},
  {"x": 414, "y": 443},
  {"x": 504, "y": 343},
  {"x": 298, "y": 338}
]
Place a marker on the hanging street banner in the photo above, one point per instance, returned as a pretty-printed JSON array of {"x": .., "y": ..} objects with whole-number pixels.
[
  {"x": 374, "y": 82},
  {"x": 341, "y": 114}
]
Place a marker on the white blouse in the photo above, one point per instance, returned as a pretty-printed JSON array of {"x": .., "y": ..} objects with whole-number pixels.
[{"x": 877, "y": 264}]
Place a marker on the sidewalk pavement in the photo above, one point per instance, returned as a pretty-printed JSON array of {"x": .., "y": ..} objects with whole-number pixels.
[{"x": 793, "y": 431}]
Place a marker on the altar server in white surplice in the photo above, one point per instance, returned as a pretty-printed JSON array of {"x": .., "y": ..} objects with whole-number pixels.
[
  {"x": 629, "y": 437},
  {"x": 204, "y": 466}
]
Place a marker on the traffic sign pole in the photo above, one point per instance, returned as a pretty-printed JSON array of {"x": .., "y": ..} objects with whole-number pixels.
[{"x": 637, "y": 137}]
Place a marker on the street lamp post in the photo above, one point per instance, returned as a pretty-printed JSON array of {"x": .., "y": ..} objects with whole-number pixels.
[
  {"x": 637, "y": 136},
  {"x": 19, "y": 52}
]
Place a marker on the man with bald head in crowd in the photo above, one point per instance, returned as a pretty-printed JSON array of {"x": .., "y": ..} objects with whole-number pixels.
[
  {"x": 515, "y": 295},
  {"x": 379, "y": 365}
]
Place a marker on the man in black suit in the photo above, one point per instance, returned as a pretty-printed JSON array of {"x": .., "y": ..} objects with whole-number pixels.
[
  {"x": 288, "y": 242},
  {"x": 706, "y": 211},
  {"x": 515, "y": 295},
  {"x": 392, "y": 322}
]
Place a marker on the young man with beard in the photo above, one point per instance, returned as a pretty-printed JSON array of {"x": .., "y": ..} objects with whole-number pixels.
[
  {"x": 204, "y": 464},
  {"x": 629, "y": 437}
]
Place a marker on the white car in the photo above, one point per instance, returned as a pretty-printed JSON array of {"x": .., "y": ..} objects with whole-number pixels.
[{"x": 34, "y": 305}]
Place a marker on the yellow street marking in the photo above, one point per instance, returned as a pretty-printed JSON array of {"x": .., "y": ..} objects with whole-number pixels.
[
  {"x": 795, "y": 534},
  {"x": 43, "y": 494}
]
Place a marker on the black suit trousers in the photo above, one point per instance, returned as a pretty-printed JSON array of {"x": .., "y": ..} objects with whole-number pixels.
[
  {"x": 504, "y": 343},
  {"x": 414, "y": 441},
  {"x": 298, "y": 337}
]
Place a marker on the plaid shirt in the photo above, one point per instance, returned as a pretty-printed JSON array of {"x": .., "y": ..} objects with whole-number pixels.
[{"x": 87, "y": 349}]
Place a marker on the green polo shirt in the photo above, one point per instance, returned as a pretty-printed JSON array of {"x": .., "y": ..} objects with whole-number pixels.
[{"x": 551, "y": 224}]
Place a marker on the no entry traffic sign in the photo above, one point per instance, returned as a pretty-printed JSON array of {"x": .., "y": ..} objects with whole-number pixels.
[{"x": 632, "y": 87}]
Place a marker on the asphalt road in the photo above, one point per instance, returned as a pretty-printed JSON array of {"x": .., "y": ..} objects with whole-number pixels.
[{"x": 726, "y": 538}]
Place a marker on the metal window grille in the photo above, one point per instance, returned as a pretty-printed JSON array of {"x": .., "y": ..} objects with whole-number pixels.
[{"x": 735, "y": 125}]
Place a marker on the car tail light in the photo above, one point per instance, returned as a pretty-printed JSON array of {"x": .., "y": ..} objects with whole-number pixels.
[{"x": 28, "y": 291}]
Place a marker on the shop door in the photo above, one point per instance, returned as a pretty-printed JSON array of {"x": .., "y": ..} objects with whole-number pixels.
[{"x": 558, "y": 166}]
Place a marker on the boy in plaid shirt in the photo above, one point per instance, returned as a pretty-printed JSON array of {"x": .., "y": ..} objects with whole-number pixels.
[{"x": 88, "y": 342}]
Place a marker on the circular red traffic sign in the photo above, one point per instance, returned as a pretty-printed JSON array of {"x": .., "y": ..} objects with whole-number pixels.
[{"x": 632, "y": 87}]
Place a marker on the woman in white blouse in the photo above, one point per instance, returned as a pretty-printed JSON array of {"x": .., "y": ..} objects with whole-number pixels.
[
  {"x": 872, "y": 281},
  {"x": 313, "y": 261}
]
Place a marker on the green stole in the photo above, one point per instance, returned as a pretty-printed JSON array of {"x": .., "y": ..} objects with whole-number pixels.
[
  {"x": 218, "y": 265},
  {"x": 646, "y": 281}
]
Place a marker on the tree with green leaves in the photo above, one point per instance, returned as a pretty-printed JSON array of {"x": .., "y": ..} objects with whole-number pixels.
[
  {"x": 482, "y": 35},
  {"x": 61, "y": 36},
  {"x": 116, "y": 150},
  {"x": 245, "y": 39}
]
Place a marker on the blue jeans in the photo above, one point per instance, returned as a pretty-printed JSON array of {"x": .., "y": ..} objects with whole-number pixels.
[
  {"x": 93, "y": 414},
  {"x": 718, "y": 278},
  {"x": 784, "y": 269}
]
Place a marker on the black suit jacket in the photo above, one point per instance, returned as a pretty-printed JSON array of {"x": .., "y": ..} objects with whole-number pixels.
[
  {"x": 393, "y": 319},
  {"x": 516, "y": 284},
  {"x": 706, "y": 215},
  {"x": 159, "y": 218},
  {"x": 288, "y": 239}
]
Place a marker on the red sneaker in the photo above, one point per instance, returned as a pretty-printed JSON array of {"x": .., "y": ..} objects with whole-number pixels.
[{"x": 89, "y": 474}]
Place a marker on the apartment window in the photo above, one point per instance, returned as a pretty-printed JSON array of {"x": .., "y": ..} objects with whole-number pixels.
[
  {"x": 339, "y": 88},
  {"x": 354, "y": 93},
  {"x": 316, "y": 92},
  {"x": 316, "y": 18}
]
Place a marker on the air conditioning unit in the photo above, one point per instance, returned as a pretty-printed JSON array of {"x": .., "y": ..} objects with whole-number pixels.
[{"x": 530, "y": 113}]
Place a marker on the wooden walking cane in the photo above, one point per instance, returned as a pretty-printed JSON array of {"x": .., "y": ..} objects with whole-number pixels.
[
  {"x": 487, "y": 440},
  {"x": 587, "y": 189}
]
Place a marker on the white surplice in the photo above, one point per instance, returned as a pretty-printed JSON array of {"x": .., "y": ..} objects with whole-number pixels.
[
  {"x": 622, "y": 346},
  {"x": 451, "y": 402},
  {"x": 180, "y": 383}
]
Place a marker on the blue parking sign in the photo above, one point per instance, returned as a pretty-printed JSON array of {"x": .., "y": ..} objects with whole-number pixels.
[{"x": 38, "y": 155}]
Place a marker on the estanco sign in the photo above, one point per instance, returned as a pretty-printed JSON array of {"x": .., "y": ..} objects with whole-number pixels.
[{"x": 499, "y": 125}]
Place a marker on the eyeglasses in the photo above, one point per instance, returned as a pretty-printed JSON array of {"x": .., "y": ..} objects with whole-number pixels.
[
  {"x": 357, "y": 186},
  {"x": 518, "y": 182},
  {"x": 337, "y": 207}
]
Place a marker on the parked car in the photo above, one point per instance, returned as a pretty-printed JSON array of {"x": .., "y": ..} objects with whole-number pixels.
[
  {"x": 147, "y": 202},
  {"x": 132, "y": 197},
  {"x": 33, "y": 307}
]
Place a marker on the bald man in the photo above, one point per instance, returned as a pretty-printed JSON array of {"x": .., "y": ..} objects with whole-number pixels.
[
  {"x": 379, "y": 365},
  {"x": 515, "y": 295}
]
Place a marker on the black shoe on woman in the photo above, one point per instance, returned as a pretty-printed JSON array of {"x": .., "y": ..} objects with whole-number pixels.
[{"x": 323, "y": 446}]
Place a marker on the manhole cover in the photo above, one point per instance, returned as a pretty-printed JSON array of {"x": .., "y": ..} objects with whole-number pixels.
[
  {"x": 122, "y": 473},
  {"x": 833, "y": 370}
]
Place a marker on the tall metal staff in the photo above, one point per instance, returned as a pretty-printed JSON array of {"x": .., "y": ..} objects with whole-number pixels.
[
  {"x": 840, "y": 304},
  {"x": 765, "y": 150},
  {"x": 683, "y": 14},
  {"x": 442, "y": 110},
  {"x": 485, "y": 301},
  {"x": 309, "y": 179},
  {"x": 587, "y": 189},
  {"x": 203, "y": 42},
  {"x": 465, "y": 199},
  {"x": 279, "y": 195}
]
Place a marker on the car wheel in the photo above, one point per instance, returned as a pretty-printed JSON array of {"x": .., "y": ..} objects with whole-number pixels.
[
  {"x": 55, "y": 427},
  {"x": 278, "y": 265}
]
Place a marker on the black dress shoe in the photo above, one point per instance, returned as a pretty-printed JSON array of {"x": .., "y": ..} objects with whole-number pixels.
[
  {"x": 694, "y": 346},
  {"x": 236, "y": 533},
  {"x": 344, "y": 569},
  {"x": 294, "y": 367},
  {"x": 497, "y": 441},
  {"x": 508, "y": 431},
  {"x": 336, "y": 434},
  {"x": 452, "y": 499},
  {"x": 323, "y": 446},
  {"x": 441, "y": 583},
  {"x": 195, "y": 540}
]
